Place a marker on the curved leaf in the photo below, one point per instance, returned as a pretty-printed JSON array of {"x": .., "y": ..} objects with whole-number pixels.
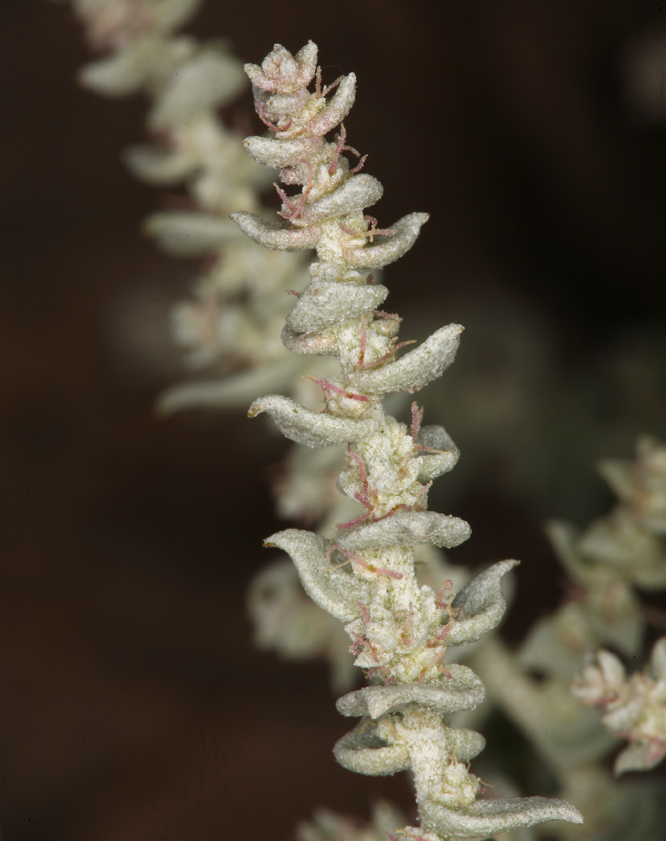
[
  {"x": 190, "y": 233},
  {"x": 482, "y": 604},
  {"x": 124, "y": 72},
  {"x": 462, "y": 691},
  {"x": 363, "y": 751},
  {"x": 390, "y": 248},
  {"x": 312, "y": 429},
  {"x": 151, "y": 164},
  {"x": 277, "y": 153},
  {"x": 206, "y": 81},
  {"x": 435, "y": 464},
  {"x": 327, "y": 302},
  {"x": 489, "y": 817},
  {"x": 407, "y": 528},
  {"x": 275, "y": 235},
  {"x": 357, "y": 193},
  {"x": 335, "y": 590},
  {"x": 416, "y": 368},
  {"x": 337, "y": 109},
  {"x": 233, "y": 392}
]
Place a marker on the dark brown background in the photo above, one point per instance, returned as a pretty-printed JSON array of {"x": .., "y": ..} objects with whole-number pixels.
[{"x": 132, "y": 705}]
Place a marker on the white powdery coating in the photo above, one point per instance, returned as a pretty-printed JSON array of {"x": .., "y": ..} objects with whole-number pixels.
[
  {"x": 338, "y": 107},
  {"x": 359, "y": 192},
  {"x": 278, "y": 153},
  {"x": 435, "y": 464},
  {"x": 462, "y": 691}
]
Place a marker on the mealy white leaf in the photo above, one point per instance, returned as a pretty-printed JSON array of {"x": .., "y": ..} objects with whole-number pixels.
[
  {"x": 275, "y": 235},
  {"x": 312, "y": 429},
  {"x": 324, "y": 302},
  {"x": 462, "y": 691},
  {"x": 335, "y": 590},
  {"x": 407, "y": 528},
  {"x": 388, "y": 249},
  {"x": 416, "y": 368},
  {"x": 482, "y": 604}
]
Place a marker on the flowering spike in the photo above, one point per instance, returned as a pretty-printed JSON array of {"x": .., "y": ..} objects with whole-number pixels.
[{"x": 399, "y": 630}]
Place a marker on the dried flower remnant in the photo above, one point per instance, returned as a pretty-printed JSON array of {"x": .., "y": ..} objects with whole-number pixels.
[{"x": 365, "y": 574}]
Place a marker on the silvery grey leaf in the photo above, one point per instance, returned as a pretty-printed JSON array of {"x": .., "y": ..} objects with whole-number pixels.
[
  {"x": 157, "y": 167},
  {"x": 306, "y": 59},
  {"x": 462, "y": 691},
  {"x": 481, "y": 603},
  {"x": 564, "y": 538},
  {"x": 322, "y": 270},
  {"x": 324, "y": 303},
  {"x": 407, "y": 528},
  {"x": 416, "y": 368},
  {"x": 357, "y": 193},
  {"x": 276, "y": 153},
  {"x": 388, "y": 249},
  {"x": 363, "y": 751},
  {"x": 435, "y": 464},
  {"x": 124, "y": 72},
  {"x": 275, "y": 235},
  {"x": 337, "y": 108},
  {"x": 309, "y": 344},
  {"x": 335, "y": 590},
  {"x": 312, "y": 429},
  {"x": 490, "y": 817},
  {"x": 233, "y": 392},
  {"x": 464, "y": 744},
  {"x": 638, "y": 756},
  {"x": 206, "y": 81}
]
